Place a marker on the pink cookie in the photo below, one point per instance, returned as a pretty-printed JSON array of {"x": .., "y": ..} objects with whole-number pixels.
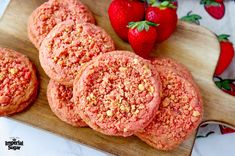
[
  {"x": 117, "y": 93},
  {"x": 168, "y": 62},
  {"x": 18, "y": 82},
  {"x": 60, "y": 99},
  {"x": 179, "y": 113},
  {"x": 70, "y": 45},
  {"x": 52, "y": 12},
  {"x": 177, "y": 67}
]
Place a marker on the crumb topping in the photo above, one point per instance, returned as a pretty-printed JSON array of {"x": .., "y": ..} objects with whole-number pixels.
[
  {"x": 117, "y": 91},
  {"x": 75, "y": 45},
  {"x": 178, "y": 111},
  {"x": 54, "y": 12},
  {"x": 14, "y": 78},
  {"x": 65, "y": 96}
]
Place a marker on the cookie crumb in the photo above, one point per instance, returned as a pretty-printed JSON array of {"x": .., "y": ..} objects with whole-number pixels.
[
  {"x": 141, "y": 87},
  {"x": 196, "y": 113},
  {"x": 2, "y": 75},
  {"x": 109, "y": 113},
  {"x": 13, "y": 71}
]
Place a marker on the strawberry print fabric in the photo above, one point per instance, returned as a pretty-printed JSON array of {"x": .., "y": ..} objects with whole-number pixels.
[
  {"x": 214, "y": 139},
  {"x": 217, "y": 16}
]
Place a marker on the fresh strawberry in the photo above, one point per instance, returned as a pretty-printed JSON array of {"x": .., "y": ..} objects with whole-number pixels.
[
  {"x": 226, "y": 130},
  {"x": 226, "y": 85},
  {"x": 142, "y": 37},
  {"x": 219, "y": 1},
  {"x": 215, "y": 8},
  {"x": 164, "y": 14},
  {"x": 226, "y": 54},
  {"x": 121, "y": 12}
]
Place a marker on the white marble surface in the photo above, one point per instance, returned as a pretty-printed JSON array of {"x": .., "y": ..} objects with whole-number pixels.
[{"x": 38, "y": 142}]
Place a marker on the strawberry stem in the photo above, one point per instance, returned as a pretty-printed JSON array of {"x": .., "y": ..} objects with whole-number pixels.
[
  {"x": 150, "y": 2},
  {"x": 191, "y": 18},
  {"x": 164, "y": 4},
  {"x": 141, "y": 25},
  {"x": 223, "y": 37},
  {"x": 209, "y": 3}
]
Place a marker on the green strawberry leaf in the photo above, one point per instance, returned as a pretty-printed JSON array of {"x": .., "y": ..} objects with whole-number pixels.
[
  {"x": 215, "y": 4},
  {"x": 164, "y": 4},
  {"x": 156, "y": 4},
  {"x": 226, "y": 84},
  {"x": 142, "y": 25},
  {"x": 152, "y": 24},
  {"x": 223, "y": 37},
  {"x": 191, "y": 18},
  {"x": 150, "y": 2},
  {"x": 132, "y": 24},
  {"x": 209, "y": 3},
  {"x": 218, "y": 84}
]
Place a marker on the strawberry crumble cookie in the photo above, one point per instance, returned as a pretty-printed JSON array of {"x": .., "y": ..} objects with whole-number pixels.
[
  {"x": 179, "y": 113},
  {"x": 70, "y": 45},
  {"x": 171, "y": 63},
  {"x": 60, "y": 99},
  {"x": 117, "y": 93},
  {"x": 52, "y": 12},
  {"x": 18, "y": 82}
]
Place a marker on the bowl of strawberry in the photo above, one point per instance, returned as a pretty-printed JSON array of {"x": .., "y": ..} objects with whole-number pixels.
[{"x": 143, "y": 23}]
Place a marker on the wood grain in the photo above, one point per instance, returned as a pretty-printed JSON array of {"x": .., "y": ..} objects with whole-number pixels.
[{"x": 192, "y": 45}]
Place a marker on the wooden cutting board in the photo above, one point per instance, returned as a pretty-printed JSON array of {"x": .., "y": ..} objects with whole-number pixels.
[{"x": 194, "y": 46}]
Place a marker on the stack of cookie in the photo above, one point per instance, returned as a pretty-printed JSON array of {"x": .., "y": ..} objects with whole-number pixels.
[
  {"x": 67, "y": 37},
  {"x": 114, "y": 92},
  {"x": 180, "y": 110}
]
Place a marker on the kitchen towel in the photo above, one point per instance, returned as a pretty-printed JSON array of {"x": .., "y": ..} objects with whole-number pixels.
[{"x": 214, "y": 139}]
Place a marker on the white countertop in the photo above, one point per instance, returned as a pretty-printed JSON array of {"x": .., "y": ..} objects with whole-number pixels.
[{"x": 37, "y": 142}]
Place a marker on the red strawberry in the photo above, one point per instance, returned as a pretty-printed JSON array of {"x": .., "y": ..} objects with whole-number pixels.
[
  {"x": 230, "y": 92},
  {"x": 121, "y": 12},
  {"x": 227, "y": 85},
  {"x": 232, "y": 85},
  {"x": 215, "y": 8},
  {"x": 226, "y": 54},
  {"x": 232, "y": 88},
  {"x": 165, "y": 15},
  {"x": 219, "y": 1},
  {"x": 226, "y": 130},
  {"x": 142, "y": 37}
]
